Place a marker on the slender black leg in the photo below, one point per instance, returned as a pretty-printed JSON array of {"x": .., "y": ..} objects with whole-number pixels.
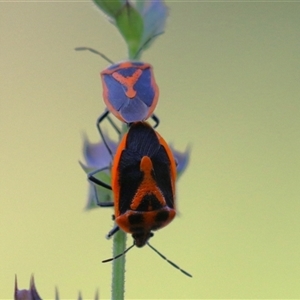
[
  {"x": 104, "y": 203},
  {"x": 113, "y": 231},
  {"x": 96, "y": 181},
  {"x": 113, "y": 124},
  {"x": 156, "y": 120},
  {"x": 99, "y": 120}
]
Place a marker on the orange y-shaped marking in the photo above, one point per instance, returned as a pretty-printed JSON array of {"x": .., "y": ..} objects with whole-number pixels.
[{"x": 128, "y": 82}]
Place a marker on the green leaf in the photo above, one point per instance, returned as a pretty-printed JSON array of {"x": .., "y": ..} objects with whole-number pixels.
[
  {"x": 110, "y": 7},
  {"x": 130, "y": 24},
  {"x": 139, "y": 22}
]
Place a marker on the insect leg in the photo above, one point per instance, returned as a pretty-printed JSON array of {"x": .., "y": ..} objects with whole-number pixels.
[
  {"x": 99, "y": 182},
  {"x": 155, "y": 119},
  {"x": 99, "y": 120}
]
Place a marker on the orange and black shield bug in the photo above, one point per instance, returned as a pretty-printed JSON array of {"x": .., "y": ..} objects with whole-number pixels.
[{"x": 143, "y": 184}]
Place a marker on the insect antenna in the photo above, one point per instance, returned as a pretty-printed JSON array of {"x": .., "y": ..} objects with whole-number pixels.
[
  {"x": 95, "y": 52},
  {"x": 170, "y": 262},
  {"x": 119, "y": 255}
]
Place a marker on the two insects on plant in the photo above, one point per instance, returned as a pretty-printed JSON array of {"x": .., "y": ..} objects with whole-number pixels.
[{"x": 143, "y": 171}]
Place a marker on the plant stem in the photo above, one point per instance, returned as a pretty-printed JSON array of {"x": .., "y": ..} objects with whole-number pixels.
[
  {"x": 118, "y": 271},
  {"x": 119, "y": 246}
]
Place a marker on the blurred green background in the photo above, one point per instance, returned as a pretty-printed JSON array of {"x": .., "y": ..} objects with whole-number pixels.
[{"x": 229, "y": 78}]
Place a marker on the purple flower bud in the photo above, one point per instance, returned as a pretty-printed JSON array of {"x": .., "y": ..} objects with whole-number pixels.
[{"x": 30, "y": 294}]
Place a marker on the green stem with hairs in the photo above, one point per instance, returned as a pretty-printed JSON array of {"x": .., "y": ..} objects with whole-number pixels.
[
  {"x": 118, "y": 271},
  {"x": 119, "y": 246}
]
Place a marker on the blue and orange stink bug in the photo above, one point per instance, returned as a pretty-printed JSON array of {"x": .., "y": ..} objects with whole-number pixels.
[
  {"x": 130, "y": 91},
  {"x": 143, "y": 184}
]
